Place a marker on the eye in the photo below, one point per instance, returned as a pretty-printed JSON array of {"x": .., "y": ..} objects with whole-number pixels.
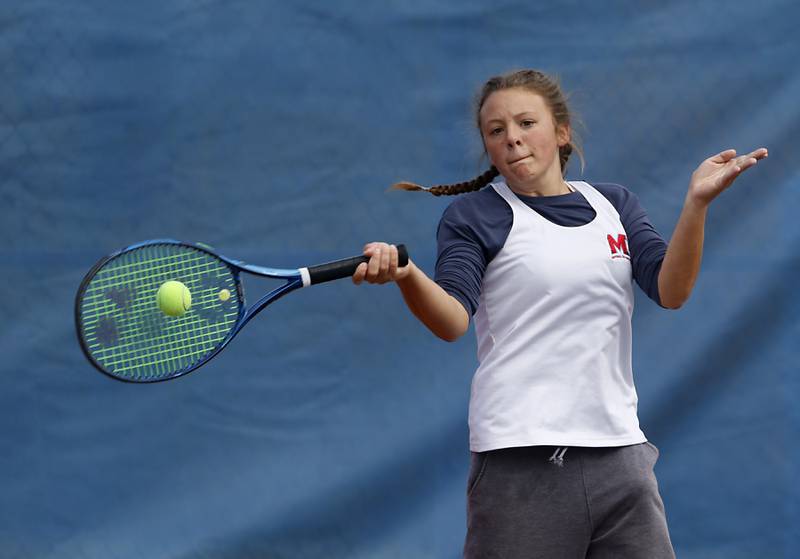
[
  {"x": 495, "y": 131},
  {"x": 527, "y": 123}
]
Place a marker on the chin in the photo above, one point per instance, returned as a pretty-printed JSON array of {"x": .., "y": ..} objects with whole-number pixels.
[{"x": 525, "y": 176}]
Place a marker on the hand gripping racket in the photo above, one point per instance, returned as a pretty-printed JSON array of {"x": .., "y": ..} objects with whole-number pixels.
[{"x": 124, "y": 332}]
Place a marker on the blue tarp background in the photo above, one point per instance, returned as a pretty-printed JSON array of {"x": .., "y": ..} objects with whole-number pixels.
[{"x": 335, "y": 424}]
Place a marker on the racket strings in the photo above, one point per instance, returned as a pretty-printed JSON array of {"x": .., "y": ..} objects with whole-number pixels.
[{"x": 126, "y": 332}]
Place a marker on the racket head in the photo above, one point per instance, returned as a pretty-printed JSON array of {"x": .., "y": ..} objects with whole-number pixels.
[{"x": 124, "y": 333}]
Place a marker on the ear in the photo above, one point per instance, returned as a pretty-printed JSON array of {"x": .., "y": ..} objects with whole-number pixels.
[{"x": 563, "y": 134}]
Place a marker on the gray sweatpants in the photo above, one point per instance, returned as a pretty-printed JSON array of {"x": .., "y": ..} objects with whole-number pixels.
[{"x": 598, "y": 503}]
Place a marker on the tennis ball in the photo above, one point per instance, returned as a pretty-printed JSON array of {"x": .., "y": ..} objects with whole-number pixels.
[
  {"x": 224, "y": 295},
  {"x": 174, "y": 298}
]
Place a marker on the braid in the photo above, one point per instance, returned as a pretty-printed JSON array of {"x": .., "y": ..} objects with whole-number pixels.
[{"x": 450, "y": 189}]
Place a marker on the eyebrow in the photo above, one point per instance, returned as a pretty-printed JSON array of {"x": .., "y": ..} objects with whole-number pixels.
[{"x": 518, "y": 115}]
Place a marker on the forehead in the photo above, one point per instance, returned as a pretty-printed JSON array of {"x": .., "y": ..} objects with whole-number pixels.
[{"x": 508, "y": 103}]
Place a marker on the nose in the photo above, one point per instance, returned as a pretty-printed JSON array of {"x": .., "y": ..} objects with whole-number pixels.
[{"x": 513, "y": 139}]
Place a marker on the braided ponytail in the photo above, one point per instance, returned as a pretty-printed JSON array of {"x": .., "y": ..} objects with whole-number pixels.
[{"x": 450, "y": 189}]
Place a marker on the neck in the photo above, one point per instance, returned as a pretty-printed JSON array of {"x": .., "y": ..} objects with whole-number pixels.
[{"x": 556, "y": 187}]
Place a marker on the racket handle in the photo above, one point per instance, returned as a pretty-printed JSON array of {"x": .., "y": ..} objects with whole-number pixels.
[{"x": 347, "y": 266}]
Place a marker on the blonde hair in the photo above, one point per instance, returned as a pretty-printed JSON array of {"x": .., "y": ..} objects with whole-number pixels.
[{"x": 533, "y": 81}]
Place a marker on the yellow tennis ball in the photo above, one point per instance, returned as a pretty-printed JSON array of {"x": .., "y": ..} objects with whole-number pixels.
[
  {"x": 174, "y": 298},
  {"x": 224, "y": 295}
]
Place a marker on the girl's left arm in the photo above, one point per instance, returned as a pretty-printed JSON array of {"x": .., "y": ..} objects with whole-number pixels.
[{"x": 685, "y": 250}]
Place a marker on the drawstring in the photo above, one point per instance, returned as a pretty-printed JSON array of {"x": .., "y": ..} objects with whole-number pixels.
[{"x": 558, "y": 456}]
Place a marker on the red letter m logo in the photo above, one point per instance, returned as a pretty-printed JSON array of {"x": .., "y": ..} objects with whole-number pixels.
[{"x": 620, "y": 244}]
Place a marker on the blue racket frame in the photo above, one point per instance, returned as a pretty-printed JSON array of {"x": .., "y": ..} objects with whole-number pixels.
[{"x": 295, "y": 279}]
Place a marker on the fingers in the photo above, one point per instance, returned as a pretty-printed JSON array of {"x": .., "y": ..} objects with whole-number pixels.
[
  {"x": 718, "y": 172},
  {"x": 358, "y": 275},
  {"x": 382, "y": 265},
  {"x": 393, "y": 257},
  {"x": 746, "y": 161},
  {"x": 386, "y": 257},
  {"x": 374, "y": 264},
  {"x": 738, "y": 165},
  {"x": 728, "y": 154},
  {"x": 723, "y": 156}
]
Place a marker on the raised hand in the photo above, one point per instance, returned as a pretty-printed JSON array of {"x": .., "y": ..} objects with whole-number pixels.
[{"x": 718, "y": 172}]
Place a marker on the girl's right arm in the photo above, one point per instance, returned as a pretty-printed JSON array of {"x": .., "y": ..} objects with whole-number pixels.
[{"x": 442, "y": 313}]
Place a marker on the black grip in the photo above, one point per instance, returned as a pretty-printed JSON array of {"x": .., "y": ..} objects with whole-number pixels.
[{"x": 346, "y": 267}]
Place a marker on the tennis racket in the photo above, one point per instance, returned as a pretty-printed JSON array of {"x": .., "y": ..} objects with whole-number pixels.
[{"x": 124, "y": 332}]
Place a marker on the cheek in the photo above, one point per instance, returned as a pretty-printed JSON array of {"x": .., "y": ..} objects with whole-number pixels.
[
  {"x": 545, "y": 144},
  {"x": 493, "y": 151}
]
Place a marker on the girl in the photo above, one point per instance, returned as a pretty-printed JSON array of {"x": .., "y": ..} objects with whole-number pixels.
[{"x": 560, "y": 467}]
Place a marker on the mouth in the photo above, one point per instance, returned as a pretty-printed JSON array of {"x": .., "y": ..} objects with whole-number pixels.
[{"x": 513, "y": 161}]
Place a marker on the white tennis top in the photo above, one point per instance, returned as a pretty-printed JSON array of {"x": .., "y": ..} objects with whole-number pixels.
[{"x": 554, "y": 335}]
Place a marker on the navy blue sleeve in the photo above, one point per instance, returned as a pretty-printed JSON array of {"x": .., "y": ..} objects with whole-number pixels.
[
  {"x": 471, "y": 232},
  {"x": 647, "y": 247}
]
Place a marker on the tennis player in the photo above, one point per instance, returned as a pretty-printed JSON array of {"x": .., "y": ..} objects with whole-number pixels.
[{"x": 544, "y": 266}]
